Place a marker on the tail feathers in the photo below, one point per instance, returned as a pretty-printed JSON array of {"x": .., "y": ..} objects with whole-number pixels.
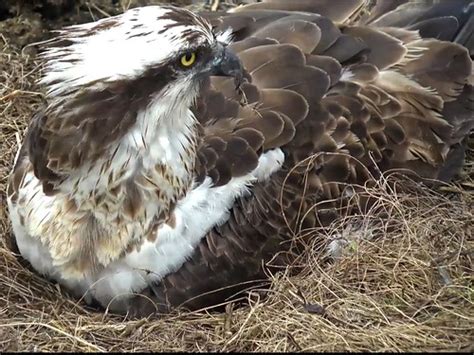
[
  {"x": 465, "y": 35},
  {"x": 449, "y": 20},
  {"x": 443, "y": 66},
  {"x": 454, "y": 161},
  {"x": 460, "y": 113}
]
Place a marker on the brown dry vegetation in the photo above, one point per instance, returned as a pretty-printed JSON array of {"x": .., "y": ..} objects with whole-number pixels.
[{"x": 402, "y": 283}]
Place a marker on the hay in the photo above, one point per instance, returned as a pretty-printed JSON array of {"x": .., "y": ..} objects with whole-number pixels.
[{"x": 403, "y": 281}]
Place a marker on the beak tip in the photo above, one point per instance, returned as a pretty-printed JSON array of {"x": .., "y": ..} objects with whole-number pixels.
[{"x": 238, "y": 79}]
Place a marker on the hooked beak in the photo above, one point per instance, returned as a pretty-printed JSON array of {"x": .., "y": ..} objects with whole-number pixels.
[{"x": 226, "y": 63}]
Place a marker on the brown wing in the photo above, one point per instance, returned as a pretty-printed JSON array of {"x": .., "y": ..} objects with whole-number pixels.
[{"x": 344, "y": 101}]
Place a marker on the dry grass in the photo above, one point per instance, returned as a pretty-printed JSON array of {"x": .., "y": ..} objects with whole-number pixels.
[{"x": 402, "y": 283}]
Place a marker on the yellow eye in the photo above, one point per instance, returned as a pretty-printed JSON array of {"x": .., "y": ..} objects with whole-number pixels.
[{"x": 188, "y": 59}]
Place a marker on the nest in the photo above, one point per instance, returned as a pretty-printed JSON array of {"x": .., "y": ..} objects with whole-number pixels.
[{"x": 403, "y": 280}]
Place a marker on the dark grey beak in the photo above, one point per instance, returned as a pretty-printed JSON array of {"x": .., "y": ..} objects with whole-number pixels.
[{"x": 226, "y": 63}]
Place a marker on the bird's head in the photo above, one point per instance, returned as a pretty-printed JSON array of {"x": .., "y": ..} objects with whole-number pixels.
[{"x": 130, "y": 59}]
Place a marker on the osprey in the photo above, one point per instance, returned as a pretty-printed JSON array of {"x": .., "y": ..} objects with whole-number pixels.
[{"x": 180, "y": 155}]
